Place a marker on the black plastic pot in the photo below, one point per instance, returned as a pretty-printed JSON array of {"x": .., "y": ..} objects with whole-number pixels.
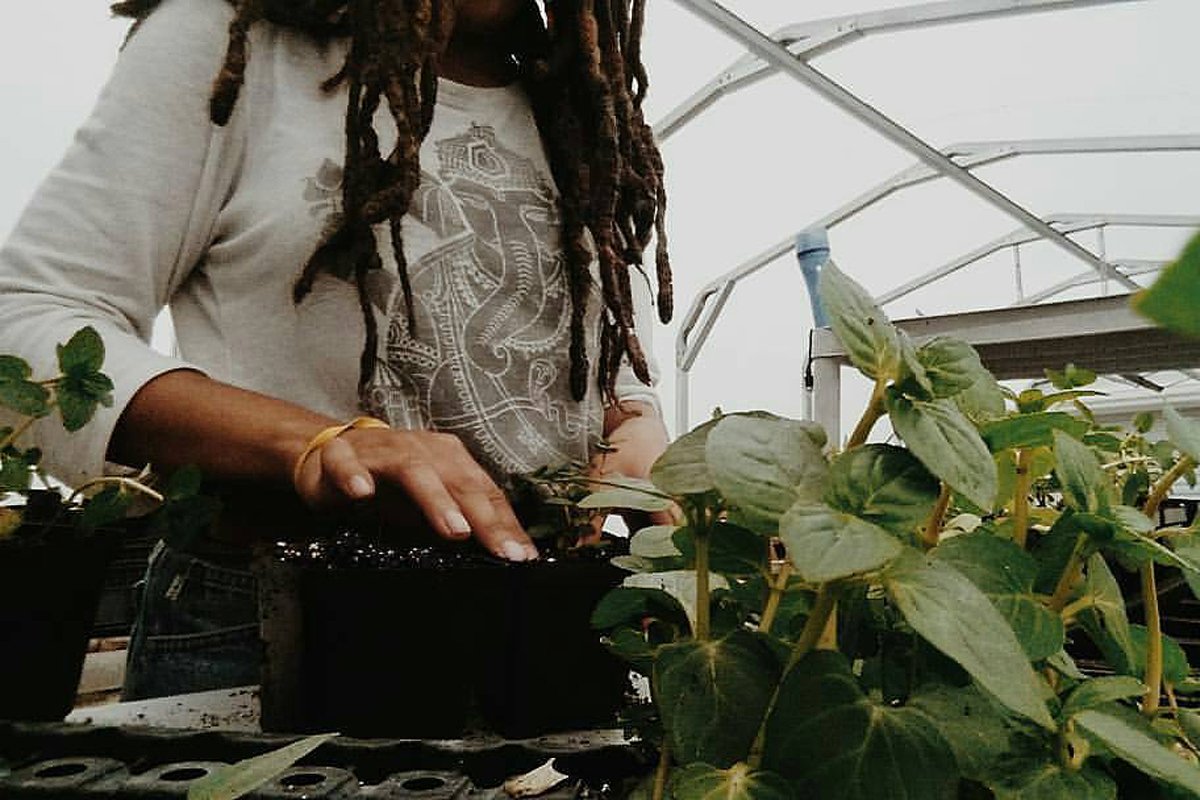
[
  {"x": 425, "y": 644},
  {"x": 50, "y": 585},
  {"x": 555, "y": 674}
]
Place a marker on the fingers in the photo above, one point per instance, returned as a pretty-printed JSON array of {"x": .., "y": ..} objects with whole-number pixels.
[{"x": 457, "y": 497}]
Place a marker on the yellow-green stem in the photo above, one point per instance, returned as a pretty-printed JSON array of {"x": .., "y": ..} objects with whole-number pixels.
[
  {"x": 875, "y": 409},
  {"x": 1072, "y": 609},
  {"x": 932, "y": 532},
  {"x": 1066, "y": 582},
  {"x": 1154, "y": 642},
  {"x": 1021, "y": 497},
  {"x": 703, "y": 625},
  {"x": 124, "y": 483},
  {"x": 1162, "y": 486},
  {"x": 778, "y": 585},
  {"x": 814, "y": 626},
  {"x": 660, "y": 774}
]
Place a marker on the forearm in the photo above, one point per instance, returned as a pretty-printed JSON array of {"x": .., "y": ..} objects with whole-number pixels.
[{"x": 183, "y": 417}]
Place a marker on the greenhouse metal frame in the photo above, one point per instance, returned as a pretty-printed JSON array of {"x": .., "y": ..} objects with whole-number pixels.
[{"x": 1065, "y": 330}]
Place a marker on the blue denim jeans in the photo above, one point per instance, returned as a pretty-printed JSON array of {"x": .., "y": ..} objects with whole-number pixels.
[{"x": 196, "y": 629}]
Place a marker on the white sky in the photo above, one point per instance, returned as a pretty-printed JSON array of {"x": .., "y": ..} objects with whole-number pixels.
[{"x": 762, "y": 164}]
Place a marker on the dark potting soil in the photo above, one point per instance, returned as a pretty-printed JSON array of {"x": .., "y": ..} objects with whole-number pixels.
[{"x": 436, "y": 641}]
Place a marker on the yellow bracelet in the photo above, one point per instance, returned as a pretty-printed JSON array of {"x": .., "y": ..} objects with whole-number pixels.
[{"x": 328, "y": 435}]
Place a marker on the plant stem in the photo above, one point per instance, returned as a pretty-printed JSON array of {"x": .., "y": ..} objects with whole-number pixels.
[
  {"x": 124, "y": 483},
  {"x": 1154, "y": 636},
  {"x": 1021, "y": 497},
  {"x": 778, "y": 585},
  {"x": 1162, "y": 487},
  {"x": 932, "y": 531},
  {"x": 875, "y": 409},
  {"x": 1066, "y": 582},
  {"x": 814, "y": 626},
  {"x": 660, "y": 774},
  {"x": 1071, "y": 610},
  {"x": 1154, "y": 641},
  {"x": 703, "y": 625}
]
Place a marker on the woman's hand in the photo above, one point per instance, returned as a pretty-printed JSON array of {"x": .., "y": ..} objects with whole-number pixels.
[
  {"x": 184, "y": 417},
  {"x": 636, "y": 437},
  {"x": 434, "y": 471}
]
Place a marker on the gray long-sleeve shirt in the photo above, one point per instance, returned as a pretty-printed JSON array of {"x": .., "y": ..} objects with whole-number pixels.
[{"x": 155, "y": 206}]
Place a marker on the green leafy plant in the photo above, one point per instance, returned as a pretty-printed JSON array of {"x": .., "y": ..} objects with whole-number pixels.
[
  {"x": 75, "y": 394},
  {"x": 878, "y": 621}
]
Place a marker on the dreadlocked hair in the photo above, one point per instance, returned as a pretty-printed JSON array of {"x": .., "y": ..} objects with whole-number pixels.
[{"x": 582, "y": 70}]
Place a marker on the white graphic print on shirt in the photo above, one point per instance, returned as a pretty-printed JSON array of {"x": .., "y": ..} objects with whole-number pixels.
[{"x": 489, "y": 361}]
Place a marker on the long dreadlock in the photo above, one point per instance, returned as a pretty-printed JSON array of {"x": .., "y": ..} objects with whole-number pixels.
[{"x": 583, "y": 72}]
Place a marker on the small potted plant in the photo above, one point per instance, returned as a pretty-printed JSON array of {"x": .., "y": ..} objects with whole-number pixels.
[
  {"x": 53, "y": 549},
  {"x": 879, "y": 621}
]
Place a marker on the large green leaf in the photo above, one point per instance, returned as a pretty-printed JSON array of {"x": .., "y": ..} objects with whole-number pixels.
[
  {"x": 883, "y": 485},
  {"x": 827, "y": 735},
  {"x": 1031, "y": 430},
  {"x": 630, "y": 606},
  {"x": 245, "y": 776},
  {"x": 982, "y": 401},
  {"x": 1139, "y": 749},
  {"x": 824, "y": 544},
  {"x": 1183, "y": 433},
  {"x": 683, "y": 469},
  {"x": 1100, "y": 691},
  {"x": 763, "y": 466},
  {"x": 1188, "y": 546},
  {"x": 1105, "y": 619},
  {"x": 739, "y": 782},
  {"x": 1047, "y": 779},
  {"x": 679, "y": 584},
  {"x": 626, "y": 498},
  {"x": 655, "y": 541},
  {"x": 957, "y": 618},
  {"x": 1175, "y": 669},
  {"x": 912, "y": 379},
  {"x": 1005, "y": 573},
  {"x": 947, "y": 444},
  {"x": 1085, "y": 487},
  {"x": 713, "y": 696},
  {"x": 1140, "y": 548},
  {"x": 951, "y": 365},
  {"x": 1173, "y": 299},
  {"x": 871, "y": 341},
  {"x": 732, "y": 549},
  {"x": 970, "y": 722}
]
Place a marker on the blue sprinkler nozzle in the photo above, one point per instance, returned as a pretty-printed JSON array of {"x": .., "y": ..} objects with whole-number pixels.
[{"x": 812, "y": 251}]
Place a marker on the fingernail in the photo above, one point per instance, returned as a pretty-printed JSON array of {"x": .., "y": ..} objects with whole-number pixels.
[
  {"x": 360, "y": 486},
  {"x": 515, "y": 551},
  {"x": 457, "y": 524}
]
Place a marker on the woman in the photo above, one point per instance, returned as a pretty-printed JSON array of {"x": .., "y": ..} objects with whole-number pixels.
[{"x": 425, "y": 211}]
